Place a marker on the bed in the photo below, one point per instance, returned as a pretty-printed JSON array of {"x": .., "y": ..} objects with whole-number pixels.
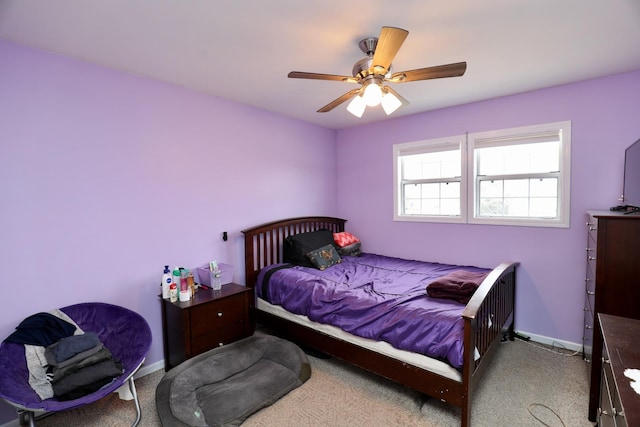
[{"x": 484, "y": 321}]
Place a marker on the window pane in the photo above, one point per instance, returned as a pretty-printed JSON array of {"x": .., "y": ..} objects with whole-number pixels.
[
  {"x": 491, "y": 188},
  {"x": 535, "y": 197},
  {"x": 412, "y": 191},
  {"x": 430, "y": 191},
  {"x": 450, "y": 207},
  {"x": 450, "y": 190},
  {"x": 545, "y": 207},
  {"x": 491, "y": 206},
  {"x": 516, "y": 206},
  {"x": 516, "y": 188},
  {"x": 440, "y": 164},
  {"x": 544, "y": 187},
  {"x": 540, "y": 157},
  {"x": 427, "y": 189},
  {"x": 412, "y": 206},
  {"x": 430, "y": 207},
  {"x": 440, "y": 198}
]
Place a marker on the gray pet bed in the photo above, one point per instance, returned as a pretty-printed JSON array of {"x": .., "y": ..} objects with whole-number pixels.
[{"x": 224, "y": 386}]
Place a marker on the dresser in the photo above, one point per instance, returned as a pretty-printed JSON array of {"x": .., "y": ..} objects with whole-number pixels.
[
  {"x": 612, "y": 283},
  {"x": 210, "y": 319},
  {"x": 619, "y": 402}
]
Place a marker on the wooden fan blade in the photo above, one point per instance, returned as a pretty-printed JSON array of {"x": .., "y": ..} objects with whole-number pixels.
[
  {"x": 437, "y": 72},
  {"x": 320, "y": 76},
  {"x": 389, "y": 43},
  {"x": 333, "y": 104}
]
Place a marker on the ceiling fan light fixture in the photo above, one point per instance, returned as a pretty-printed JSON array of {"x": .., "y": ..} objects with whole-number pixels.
[
  {"x": 372, "y": 94},
  {"x": 357, "y": 106},
  {"x": 390, "y": 102}
]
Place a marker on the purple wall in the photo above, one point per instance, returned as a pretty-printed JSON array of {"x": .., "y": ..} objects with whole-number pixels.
[
  {"x": 106, "y": 177},
  {"x": 550, "y": 291}
]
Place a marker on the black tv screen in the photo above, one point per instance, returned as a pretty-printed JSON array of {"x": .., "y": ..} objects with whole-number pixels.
[{"x": 631, "y": 190}]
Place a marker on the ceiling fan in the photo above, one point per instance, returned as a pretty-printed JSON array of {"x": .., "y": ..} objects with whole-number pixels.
[{"x": 372, "y": 71}]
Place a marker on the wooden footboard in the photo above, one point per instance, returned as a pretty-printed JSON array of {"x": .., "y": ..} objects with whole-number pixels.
[{"x": 488, "y": 315}]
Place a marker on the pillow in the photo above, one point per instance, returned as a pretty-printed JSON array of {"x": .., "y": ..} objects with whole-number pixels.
[
  {"x": 344, "y": 239},
  {"x": 324, "y": 257},
  {"x": 296, "y": 247},
  {"x": 353, "y": 249}
]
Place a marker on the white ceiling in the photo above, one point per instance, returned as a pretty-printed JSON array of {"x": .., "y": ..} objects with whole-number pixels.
[{"x": 243, "y": 50}]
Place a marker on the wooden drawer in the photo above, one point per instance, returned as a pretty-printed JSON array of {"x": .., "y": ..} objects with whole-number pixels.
[
  {"x": 592, "y": 227},
  {"x": 590, "y": 303},
  {"x": 209, "y": 317},
  {"x": 590, "y": 281},
  {"x": 587, "y": 334},
  {"x": 605, "y": 417},
  {"x": 591, "y": 271},
  {"x": 217, "y": 338},
  {"x": 610, "y": 413}
]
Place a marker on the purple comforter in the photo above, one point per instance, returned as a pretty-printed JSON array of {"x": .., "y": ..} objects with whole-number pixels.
[{"x": 376, "y": 297}]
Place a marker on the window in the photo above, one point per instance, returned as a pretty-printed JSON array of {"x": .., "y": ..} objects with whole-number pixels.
[
  {"x": 515, "y": 176},
  {"x": 430, "y": 184}
]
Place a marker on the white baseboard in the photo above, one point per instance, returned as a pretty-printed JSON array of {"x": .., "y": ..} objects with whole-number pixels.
[{"x": 553, "y": 341}]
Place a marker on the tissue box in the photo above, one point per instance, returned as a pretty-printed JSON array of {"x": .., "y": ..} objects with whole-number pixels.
[{"x": 201, "y": 274}]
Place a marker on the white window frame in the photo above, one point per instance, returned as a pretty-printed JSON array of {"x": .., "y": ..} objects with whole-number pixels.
[
  {"x": 418, "y": 147},
  {"x": 523, "y": 135},
  {"x": 469, "y": 197}
]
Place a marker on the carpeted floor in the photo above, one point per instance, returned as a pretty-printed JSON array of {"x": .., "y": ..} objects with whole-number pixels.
[{"x": 525, "y": 382}]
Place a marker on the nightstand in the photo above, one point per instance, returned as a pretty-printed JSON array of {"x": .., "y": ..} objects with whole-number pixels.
[{"x": 210, "y": 319}]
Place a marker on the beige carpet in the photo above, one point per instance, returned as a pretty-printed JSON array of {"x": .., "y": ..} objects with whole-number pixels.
[{"x": 524, "y": 378}]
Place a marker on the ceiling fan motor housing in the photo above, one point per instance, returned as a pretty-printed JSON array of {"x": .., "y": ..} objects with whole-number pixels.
[
  {"x": 362, "y": 69},
  {"x": 368, "y": 45}
]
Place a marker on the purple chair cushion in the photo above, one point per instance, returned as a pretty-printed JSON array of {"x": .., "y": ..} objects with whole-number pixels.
[{"x": 124, "y": 332}]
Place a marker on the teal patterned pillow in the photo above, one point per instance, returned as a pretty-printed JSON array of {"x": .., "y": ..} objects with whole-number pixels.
[{"x": 324, "y": 257}]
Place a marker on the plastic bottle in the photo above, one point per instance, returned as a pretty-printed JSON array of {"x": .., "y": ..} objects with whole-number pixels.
[
  {"x": 175, "y": 278},
  {"x": 166, "y": 282},
  {"x": 184, "y": 283},
  {"x": 216, "y": 280},
  {"x": 191, "y": 283}
]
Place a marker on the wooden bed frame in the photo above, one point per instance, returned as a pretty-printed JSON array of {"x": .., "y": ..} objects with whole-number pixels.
[{"x": 487, "y": 317}]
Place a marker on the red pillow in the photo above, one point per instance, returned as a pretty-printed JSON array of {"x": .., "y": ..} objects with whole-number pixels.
[{"x": 344, "y": 239}]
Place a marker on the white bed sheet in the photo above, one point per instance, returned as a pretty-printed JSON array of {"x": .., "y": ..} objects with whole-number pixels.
[{"x": 415, "y": 359}]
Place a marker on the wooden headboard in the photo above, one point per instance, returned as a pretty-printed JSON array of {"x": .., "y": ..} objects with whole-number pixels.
[{"x": 263, "y": 244}]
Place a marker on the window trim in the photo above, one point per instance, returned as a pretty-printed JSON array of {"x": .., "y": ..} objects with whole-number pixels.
[
  {"x": 523, "y": 135},
  {"x": 419, "y": 147},
  {"x": 468, "y": 183}
]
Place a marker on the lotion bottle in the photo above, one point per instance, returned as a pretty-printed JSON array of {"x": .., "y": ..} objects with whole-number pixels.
[{"x": 166, "y": 282}]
